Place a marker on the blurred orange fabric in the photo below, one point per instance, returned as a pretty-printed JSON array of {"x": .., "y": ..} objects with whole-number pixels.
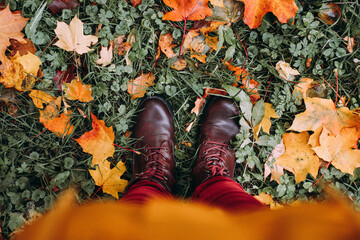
[{"x": 175, "y": 219}]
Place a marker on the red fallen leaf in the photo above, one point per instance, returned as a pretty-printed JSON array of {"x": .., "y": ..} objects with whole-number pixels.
[
  {"x": 64, "y": 76},
  {"x": 136, "y": 3},
  {"x": 21, "y": 48},
  {"x": 56, "y": 6},
  {"x": 201, "y": 100}
]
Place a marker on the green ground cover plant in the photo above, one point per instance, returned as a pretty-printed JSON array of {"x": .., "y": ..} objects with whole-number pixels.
[{"x": 36, "y": 165}]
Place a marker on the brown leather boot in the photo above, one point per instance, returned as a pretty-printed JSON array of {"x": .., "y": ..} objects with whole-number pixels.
[
  {"x": 154, "y": 128},
  {"x": 216, "y": 158}
]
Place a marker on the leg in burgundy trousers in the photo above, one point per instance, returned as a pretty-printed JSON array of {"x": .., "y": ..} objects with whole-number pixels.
[
  {"x": 143, "y": 191},
  {"x": 225, "y": 193}
]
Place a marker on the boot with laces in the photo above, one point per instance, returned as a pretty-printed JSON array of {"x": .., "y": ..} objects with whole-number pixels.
[
  {"x": 155, "y": 131},
  {"x": 216, "y": 158}
]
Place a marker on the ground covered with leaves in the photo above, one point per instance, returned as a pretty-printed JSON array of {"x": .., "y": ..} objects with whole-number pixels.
[{"x": 48, "y": 117}]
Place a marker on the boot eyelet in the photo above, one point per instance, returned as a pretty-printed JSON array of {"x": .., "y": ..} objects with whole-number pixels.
[
  {"x": 225, "y": 155},
  {"x": 204, "y": 152},
  {"x": 166, "y": 149},
  {"x": 146, "y": 158},
  {"x": 204, "y": 143},
  {"x": 145, "y": 150},
  {"x": 229, "y": 148}
]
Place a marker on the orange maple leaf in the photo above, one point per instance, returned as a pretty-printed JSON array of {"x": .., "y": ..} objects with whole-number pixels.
[
  {"x": 243, "y": 76},
  {"x": 298, "y": 158},
  {"x": 99, "y": 142},
  {"x": 166, "y": 45},
  {"x": 255, "y": 10},
  {"x": 199, "y": 44},
  {"x": 109, "y": 179},
  {"x": 55, "y": 122},
  {"x": 10, "y": 28},
  {"x": 322, "y": 112},
  {"x": 179, "y": 63},
  {"x": 184, "y": 10},
  {"x": 78, "y": 91},
  {"x": 339, "y": 149},
  {"x": 137, "y": 87}
]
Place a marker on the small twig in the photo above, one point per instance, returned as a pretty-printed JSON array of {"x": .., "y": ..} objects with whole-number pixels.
[
  {"x": 38, "y": 134},
  {"x": 337, "y": 86},
  {"x": 182, "y": 41},
  {"x": 244, "y": 47},
  {"x": 358, "y": 4},
  {"x": 326, "y": 168},
  {"x": 136, "y": 152},
  {"x": 268, "y": 87},
  {"x": 76, "y": 64},
  {"x": 335, "y": 92},
  {"x": 96, "y": 192},
  {"x": 48, "y": 46},
  {"x": 177, "y": 26}
]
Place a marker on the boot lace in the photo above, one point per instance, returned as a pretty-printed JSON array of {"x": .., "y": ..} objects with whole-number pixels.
[
  {"x": 155, "y": 164},
  {"x": 215, "y": 163}
]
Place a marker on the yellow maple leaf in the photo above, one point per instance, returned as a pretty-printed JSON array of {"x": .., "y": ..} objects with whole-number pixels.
[
  {"x": 10, "y": 28},
  {"x": 55, "y": 122},
  {"x": 314, "y": 138},
  {"x": 275, "y": 170},
  {"x": 40, "y": 97},
  {"x": 20, "y": 71},
  {"x": 322, "y": 112},
  {"x": 99, "y": 142},
  {"x": 267, "y": 199},
  {"x": 310, "y": 88},
  {"x": 75, "y": 90},
  {"x": 72, "y": 38},
  {"x": 137, "y": 87},
  {"x": 303, "y": 86},
  {"x": 298, "y": 158},
  {"x": 265, "y": 123},
  {"x": 109, "y": 179},
  {"x": 339, "y": 149}
]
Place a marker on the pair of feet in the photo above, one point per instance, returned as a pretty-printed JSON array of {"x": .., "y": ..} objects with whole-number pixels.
[{"x": 155, "y": 130}]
